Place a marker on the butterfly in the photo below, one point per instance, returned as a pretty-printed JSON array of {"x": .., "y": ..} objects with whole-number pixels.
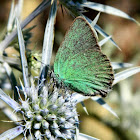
[{"x": 79, "y": 63}]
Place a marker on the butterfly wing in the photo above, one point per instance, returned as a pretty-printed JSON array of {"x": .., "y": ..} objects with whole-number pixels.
[{"x": 79, "y": 62}]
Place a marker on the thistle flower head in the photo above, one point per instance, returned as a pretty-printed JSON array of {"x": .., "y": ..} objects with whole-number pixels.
[{"x": 51, "y": 114}]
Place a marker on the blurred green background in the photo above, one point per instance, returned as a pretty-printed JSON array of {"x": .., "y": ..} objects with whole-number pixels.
[{"x": 125, "y": 96}]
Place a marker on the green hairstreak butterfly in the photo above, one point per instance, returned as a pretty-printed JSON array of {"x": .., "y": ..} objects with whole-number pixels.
[{"x": 80, "y": 64}]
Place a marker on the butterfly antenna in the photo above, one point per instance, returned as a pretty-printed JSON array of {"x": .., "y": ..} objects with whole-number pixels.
[
  {"x": 41, "y": 62},
  {"x": 49, "y": 68},
  {"x": 37, "y": 60}
]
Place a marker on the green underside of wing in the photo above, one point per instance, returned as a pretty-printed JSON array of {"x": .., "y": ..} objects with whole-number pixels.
[{"x": 79, "y": 62}]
